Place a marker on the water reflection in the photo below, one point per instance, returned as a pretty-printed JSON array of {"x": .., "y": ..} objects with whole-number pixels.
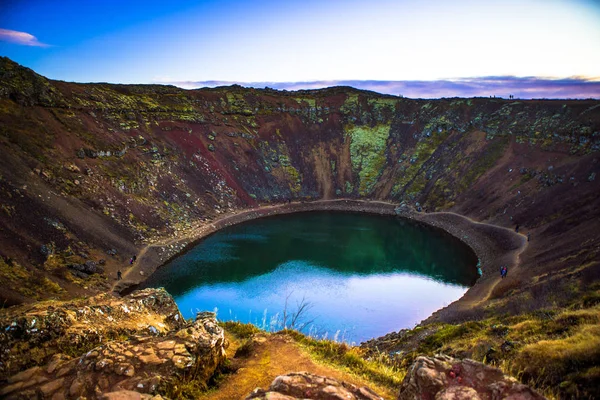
[{"x": 364, "y": 275}]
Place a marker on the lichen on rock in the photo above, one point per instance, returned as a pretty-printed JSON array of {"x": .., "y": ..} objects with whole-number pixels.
[{"x": 151, "y": 344}]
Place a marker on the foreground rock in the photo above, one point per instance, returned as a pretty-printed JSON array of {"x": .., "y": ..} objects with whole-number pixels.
[
  {"x": 140, "y": 362},
  {"x": 304, "y": 385},
  {"x": 444, "y": 378},
  {"x": 31, "y": 334}
]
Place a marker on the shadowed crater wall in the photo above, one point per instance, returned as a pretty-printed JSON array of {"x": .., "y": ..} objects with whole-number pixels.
[{"x": 91, "y": 173}]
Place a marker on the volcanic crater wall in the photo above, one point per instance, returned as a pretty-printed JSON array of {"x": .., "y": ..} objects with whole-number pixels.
[{"x": 87, "y": 168}]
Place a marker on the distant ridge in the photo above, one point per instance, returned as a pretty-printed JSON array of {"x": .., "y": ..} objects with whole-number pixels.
[{"x": 498, "y": 86}]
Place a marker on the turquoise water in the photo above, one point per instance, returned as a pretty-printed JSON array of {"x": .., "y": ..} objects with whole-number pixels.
[{"x": 361, "y": 275}]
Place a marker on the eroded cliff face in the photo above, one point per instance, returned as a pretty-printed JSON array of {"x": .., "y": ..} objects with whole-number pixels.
[{"x": 93, "y": 172}]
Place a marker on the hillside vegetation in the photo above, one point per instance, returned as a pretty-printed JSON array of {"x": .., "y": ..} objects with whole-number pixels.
[{"x": 91, "y": 174}]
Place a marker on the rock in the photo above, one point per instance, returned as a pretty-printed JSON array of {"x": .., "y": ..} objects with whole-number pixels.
[
  {"x": 128, "y": 395},
  {"x": 90, "y": 153},
  {"x": 44, "y": 328},
  {"x": 73, "y": 168},
  {"x": 125, "y": 369},
  {"x": 47, "y": 249},
  {"x": 592, "y": 177},
  {"x": 304, "y": 385},
  {"x": 458, "y": 393},
  {"x": 443, "y": 377},
  {"x": 51, "y": 387},
  {"x": 89, "y": 268}
]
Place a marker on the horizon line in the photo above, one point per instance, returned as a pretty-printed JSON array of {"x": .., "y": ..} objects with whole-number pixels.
[{"x": 530, "y": 87}]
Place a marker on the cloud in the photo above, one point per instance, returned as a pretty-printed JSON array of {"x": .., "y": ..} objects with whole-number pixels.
[
  {"x": 499, "y": 86},
  {"x": 22, "y": 38}
]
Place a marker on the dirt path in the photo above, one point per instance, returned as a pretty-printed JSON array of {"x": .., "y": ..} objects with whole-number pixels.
[
  {"x": 495, "y": 246},
  {"x": 514, "y": 254},
  {"x": 271, "y": 356}
]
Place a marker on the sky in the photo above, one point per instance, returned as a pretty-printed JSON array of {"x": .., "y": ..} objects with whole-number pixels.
[{"x": 416, "y": 48}]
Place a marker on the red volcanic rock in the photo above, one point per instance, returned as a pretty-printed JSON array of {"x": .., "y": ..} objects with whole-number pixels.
[{"x": 443, "y": 377}]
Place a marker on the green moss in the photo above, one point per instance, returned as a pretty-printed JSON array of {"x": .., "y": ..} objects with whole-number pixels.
[
  {"x": 349, "y": 187},
  {"x": 28, "y": 283},
  {"x": 294, "y": 178},
  {"x": 367, "y": 152},
  {"x": 350, "y": 105},
  {"x": 409, "y": 181},
  {"x": 482, "y": 163},
  {"x": 309, "y": 101}
]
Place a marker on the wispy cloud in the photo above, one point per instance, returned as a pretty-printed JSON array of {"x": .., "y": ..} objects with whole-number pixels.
[
  {"x": 499, "y": 86},
  {"x": 22, "y": 38}
]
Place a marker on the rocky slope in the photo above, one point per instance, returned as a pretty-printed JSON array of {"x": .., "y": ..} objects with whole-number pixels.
[{"x": 90, "y": 174}]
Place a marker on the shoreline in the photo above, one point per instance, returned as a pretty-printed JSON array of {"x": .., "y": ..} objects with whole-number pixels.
[{"x": 494, "y": 246}]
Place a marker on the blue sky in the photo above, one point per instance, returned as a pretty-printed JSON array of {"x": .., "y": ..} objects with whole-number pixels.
[{"x": 388, "y": 41}]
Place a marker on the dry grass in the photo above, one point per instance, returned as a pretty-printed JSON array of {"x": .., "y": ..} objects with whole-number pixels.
[
  {"x": 31, "y": 284},
  {"x": 353, "y": 359},
  {"x": 556, "y": 351},
  {"x": 571, "y": 363}
]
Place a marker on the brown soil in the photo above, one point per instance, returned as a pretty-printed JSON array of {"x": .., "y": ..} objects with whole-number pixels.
[{"x": 271, "y": 356}]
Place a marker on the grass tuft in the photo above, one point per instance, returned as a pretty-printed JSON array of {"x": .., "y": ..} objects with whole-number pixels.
[
  {"x": 239, "y": 329},
  {"x": 351, "y": 358}
]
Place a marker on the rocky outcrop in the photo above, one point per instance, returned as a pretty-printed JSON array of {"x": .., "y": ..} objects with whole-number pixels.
[
  {"x": 141, "y": 364},
  {"x": 304, "y": 385},
  {"x": 153, "y": 344},
  {"x": 32, "y": 334},
  {"x": 444, "y": 378}
]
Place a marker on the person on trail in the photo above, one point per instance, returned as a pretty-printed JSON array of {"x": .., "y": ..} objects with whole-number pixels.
[
  {"x": 504, "y": 272},
  {"x": 528, "y": 236},
  {"x": 119, "y": 276},
  {"x": 517, "y": 228}
]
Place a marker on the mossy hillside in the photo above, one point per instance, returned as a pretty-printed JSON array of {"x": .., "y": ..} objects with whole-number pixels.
[
  {"x": 177, "y": 155},
  {"x": 554, "y": 350},
  {"x": 276, "y": 160},
  {"x": 32, "y": 284},
  {"x": 474, "y": 166},
  {"x": 368, "y": 153},
  {"x": 412, "y": 177}
]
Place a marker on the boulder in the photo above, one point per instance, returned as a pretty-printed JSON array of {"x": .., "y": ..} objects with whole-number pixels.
[
  {"x": 304, "y": 385},
  {"x": 88, "y": 268},
  {"x": 443, "y": 377}
]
